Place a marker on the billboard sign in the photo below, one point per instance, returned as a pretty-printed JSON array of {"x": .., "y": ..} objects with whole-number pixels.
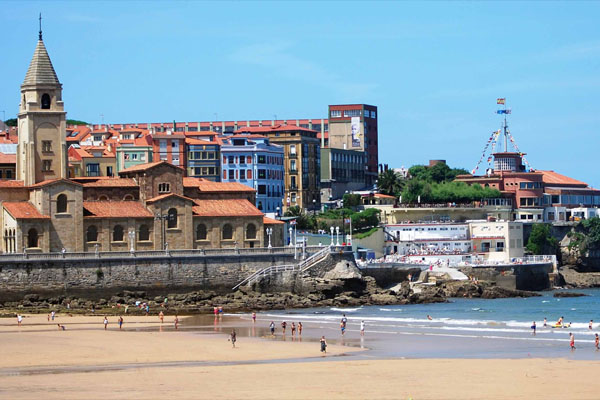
[{"x": 355, "y": 129}]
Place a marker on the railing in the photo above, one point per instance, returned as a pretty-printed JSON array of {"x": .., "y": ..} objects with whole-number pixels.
[
  {"x": 315, "y": 258},
  {"x": 152, "y": 253},
  {"x": 267, "y": 271}
]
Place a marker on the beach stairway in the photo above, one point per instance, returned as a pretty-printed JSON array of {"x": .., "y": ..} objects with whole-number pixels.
[{"x": 302, "y": 266}]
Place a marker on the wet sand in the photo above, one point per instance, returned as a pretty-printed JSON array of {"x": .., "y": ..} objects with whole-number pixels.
[{"x": 39, "y": 361}]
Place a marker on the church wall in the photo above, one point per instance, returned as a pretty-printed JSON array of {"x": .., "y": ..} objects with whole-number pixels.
[{"x": 110, "y": 193}]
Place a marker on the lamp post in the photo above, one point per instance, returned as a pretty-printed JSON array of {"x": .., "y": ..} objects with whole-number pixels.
[
  {"x": 337, "y": 235},
  {"x": 314, "y": 206},
  {"x": 277, "y": 215},
  {"x": 290, "y": 236},
  {"x": 332, "y": 229},
  {"x": 132, "y": 240},
  {"x": 162, "y": 217},
  {"x": 269, "y": 233}
]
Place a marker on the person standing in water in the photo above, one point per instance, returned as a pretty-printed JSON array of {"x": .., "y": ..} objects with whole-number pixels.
[
  {"x": 300, "y": 328},
  {"x": 362, "y": 328},
  {"x": 597, "y": 342},
  {"x": 572, "y": 341},
  {"x": 545, "y": 322},
  {"x": 272, "y": 327},
  {"x": 293, "y": 329},
  {"x": 591, "y": 324},
  {"x": 253, "y": 317},
  {"x": 323, "y": 345},
  {"x": 161, "y": 316},
  {"x": 533, "y": 326}
]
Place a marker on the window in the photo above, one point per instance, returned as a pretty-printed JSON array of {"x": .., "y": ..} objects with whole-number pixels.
[
  {"x": 262, "y": 160},
  {"x": 45, "y": 101},
  {"x": 231, "y": 174},
  {"x": 248, "y": 160},
  {"x": 164, "y": 188},
  {"x": 293, "y": 149},
  {"x": 172, "y": 219},
  {"x": 249, "y": 174},
  {"x": 227, "y": 232},
  {"x": 251, "y": 231},
  {"x": 61, "y": 203},
  {"x": 201, "y": 232},
  {"x": 128, "y": 197},
  {"x": 231, "y": 159},
  {"x": 336, "y": 113},
  {"x": 46, "y": 146},
  {"x": 32, "y": 238},
  {"x": 47, "y": 165},
  {"x": 117, "y": 235},
  {"x": 9, "y": 176},
  {"x": 144, "y": 233},
  {"x": 292, "y": 165},
  {"x": 243, "y": 174},
  {"x": 92, "y": 234},
  {"x": 262, "y": 189},
  {"x": 352, "y": 113},
  {"x": 373, "y": 114},
  {"x": 109, "y": 170},
  {"x": 92, "y": 170}
]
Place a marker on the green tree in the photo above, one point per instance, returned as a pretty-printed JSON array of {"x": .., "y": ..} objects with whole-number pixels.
[
  {"x": 351, "y": 200},
  {"x": 389, "y": 182},
  {"x": 585, "y": 236},
  {"x": 541, "y": 240},
  {"x": 76, "y": 122},
  {"x": 11, "y": 122}
]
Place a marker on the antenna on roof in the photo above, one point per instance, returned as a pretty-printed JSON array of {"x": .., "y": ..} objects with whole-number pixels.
[{"x": 40, "y": 26}]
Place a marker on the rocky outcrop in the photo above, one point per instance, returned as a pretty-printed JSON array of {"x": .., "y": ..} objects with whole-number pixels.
[
  {"x": 484, "y": 290},
  {"x": 571, "y": 277},
  {"x": 568, "y": 294}
]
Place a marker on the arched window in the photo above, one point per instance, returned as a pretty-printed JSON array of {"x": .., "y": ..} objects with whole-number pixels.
[
  {"x": 32, "y": 238},
  {"x": 117, "y": 233},
  {"x": 46, "y": 101},
  {"x": 128, "y": 197},
  {"x": 92, "y": 233},
  {"x": 61, "y": 203},
  {"x": 201, "y": 232},
  {"x": 251, "y": 231},
  {"x": 227, "y": 232},
  {"x": 144, "y": 233},
  {"x": 103, "y": 197},
  {"x": 172, "y": 220}
]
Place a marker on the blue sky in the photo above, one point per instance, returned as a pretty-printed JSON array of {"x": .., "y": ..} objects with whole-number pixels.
[{"x": 434, "y": 69}]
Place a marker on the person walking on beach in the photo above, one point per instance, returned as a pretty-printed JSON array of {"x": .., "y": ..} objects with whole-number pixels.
[
  {"x": 120, "y": 322},
  {"x": 323, "y": 345},
  {"x": 176, "y": 322},
  {"x": 19, "y": 319},
  {"x": 344, "y": 320},
  {"x": 52, "y": 314},
  {"x": 533, "y": 326},
  {"x": 300, "y": 328},
  {"x": 105, "y": 322},
  {"x": 272, "y": 327},
  {"x": 233, "y": 337},
  {"x": 161, "y": 316},
  {"x": 362, "y": 328},
  {"x": 343, "y": 328},
  {"x": 597, "y": 342},
  {"x": 591, "y": 324},
  {"x": 572, "y": 337},
  {"x": 293, "y": 329},
  {"x": 283, "y": 325},
  {"x": 253, "y": 317}
]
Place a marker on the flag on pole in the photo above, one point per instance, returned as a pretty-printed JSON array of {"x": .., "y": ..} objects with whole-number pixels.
[
  {"x": 503, "y": 112},
  {"x": 501, "y": 100},
  {"x": 347, "y": 220}
]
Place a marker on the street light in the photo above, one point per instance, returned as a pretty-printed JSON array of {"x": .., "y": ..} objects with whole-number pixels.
[
  {"x": 162, "y": 217},
  {"x": 337, "y": 235},
  {"x": 269, "y": 233},
  {"x": 290, "y": 236},
  {"x": 332, "y": 229},
  {"x": 314, "y": 206},
  {"x": 132, "y": 240},
  {"x": 277, "y": 215}
]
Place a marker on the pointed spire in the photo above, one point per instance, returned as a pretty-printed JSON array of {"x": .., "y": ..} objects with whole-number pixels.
[{"x": 40, "y": 69}]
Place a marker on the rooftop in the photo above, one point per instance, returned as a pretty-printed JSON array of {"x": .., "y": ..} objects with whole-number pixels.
[
  {"x": 23, "y": 210},
  {"x": 554, "y": 178},
  {"x": 40, "y": 69},
  {"x": 115, "y": 209},
  {"x": 225, "y": 208},
  {"x": 208, "y": 186}
]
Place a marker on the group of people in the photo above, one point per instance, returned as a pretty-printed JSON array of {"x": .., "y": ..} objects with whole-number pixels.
[
  {"x": 561, "y": 324},
  {"x": 283, "y": 327}
]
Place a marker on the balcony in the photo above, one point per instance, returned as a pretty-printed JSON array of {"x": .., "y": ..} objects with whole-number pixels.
[
  {"x": 292, "y": 155},
  {"x": 293, "y": 171}
]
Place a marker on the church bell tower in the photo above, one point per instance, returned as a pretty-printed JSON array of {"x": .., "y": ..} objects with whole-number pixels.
[{"x": 41, "y": 152}]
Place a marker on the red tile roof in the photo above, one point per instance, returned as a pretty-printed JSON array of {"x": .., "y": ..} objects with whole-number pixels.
[
  {"x": 225, "y": 208},
  {"x": 116, "y": 209},
  {"x": 271, "y": 221},
  {"x": 276, "y": 128},
  {"x": 11, "y": 184},
  {"x": 8, "y": 158},
  {"x": 553, "y": 178},
  {"x": 52, "y": 181},
  {"x": 144, "y": 167},
  {"x": 112, "y": 182},
  {"x": 379, "y": 195},
  {"x": 201, "y": 142},
  {"x": 23, "y": 210},
  {"x": 207, "y": 186},
  {"x": 164, "y": 196}
]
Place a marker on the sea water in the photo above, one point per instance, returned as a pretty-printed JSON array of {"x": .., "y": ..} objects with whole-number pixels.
[{"x": 462, "y": 327}]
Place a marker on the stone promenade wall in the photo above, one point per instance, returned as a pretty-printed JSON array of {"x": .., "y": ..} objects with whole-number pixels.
[{"x": 101, "y": 277}]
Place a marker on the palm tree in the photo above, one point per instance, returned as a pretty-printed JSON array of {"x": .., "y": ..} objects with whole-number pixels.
[{"x": 390, "y": 182}]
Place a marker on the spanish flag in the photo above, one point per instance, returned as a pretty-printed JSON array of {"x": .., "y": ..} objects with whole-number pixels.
[{"x": 501, "y": 101}]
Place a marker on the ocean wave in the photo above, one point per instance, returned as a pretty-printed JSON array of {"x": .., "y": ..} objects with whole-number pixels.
[{"x": 391, "y": 310}]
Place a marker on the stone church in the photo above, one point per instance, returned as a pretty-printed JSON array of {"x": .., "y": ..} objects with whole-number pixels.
[{"x": 148, "y": 207}]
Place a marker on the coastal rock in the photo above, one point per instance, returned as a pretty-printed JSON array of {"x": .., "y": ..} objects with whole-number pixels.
[
  {"x": 383, "y": 299},
  {"x": 495, "y": 292},
  {"x": 574, "y": 279},
  {"x": 343, "y": 270},
  {"x": 569, "y": 294}
]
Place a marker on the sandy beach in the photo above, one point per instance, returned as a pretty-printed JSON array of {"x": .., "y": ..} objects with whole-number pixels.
[{"x": 84, "y": 361}]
